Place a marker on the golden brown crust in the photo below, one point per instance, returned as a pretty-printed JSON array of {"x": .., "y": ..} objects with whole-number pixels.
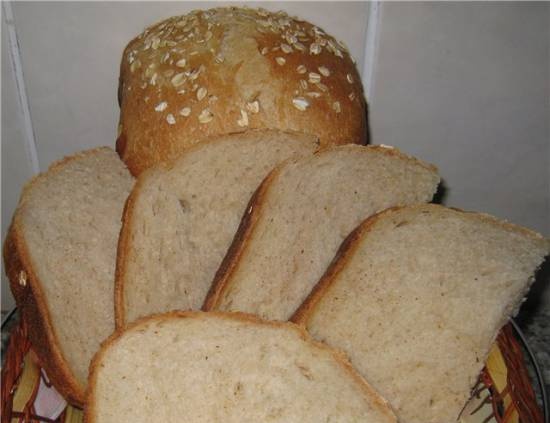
[
  {"x": 230, "y": 263},
  {"x": 124, "y": 242},
  {"x": 33, "y": 309},
  {"x": 339, "y": 356},
  {"x": 259, "y": 70}
]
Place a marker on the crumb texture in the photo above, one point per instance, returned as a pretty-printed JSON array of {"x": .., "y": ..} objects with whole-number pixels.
[
  {"x": 184, "y": 217},
  {"x": 69, "y": 220},
  {"x": 420, "y": 301},
  {"x": 210, "y": 368},
  {"x": 309, "y": 209}
]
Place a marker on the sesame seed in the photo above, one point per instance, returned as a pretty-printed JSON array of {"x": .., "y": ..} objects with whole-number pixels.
[
  {"x": 299, "y": 46},
  {"x": 201, "y": 93},
  {"x": 253, "y": 106},
  {"x": 349, "y": 78},
  {"x": 186, "y": 111},
  {"x": 314, "y": 77},
  {"x": 181, "y": 63},
  {"x": 136, "y": 64},
  {"x": 322, "y": 86},
  {"x": 195, "y": 74},
  {"x": 286, "y": 48},
  {"x": 324, "y": 71},
  {"x": 168, "y": 73},
  {"x": 264, "y": 51},
  {"x": 161, "y": 106},
  {"x": 178, "y": 79},
  {"x": 243, "y": 121},
  {"x": 280, "y": 60},
  {"x": 155, "y": 43},
  {"x": 300, "y": 103},
  {"x": 153, "y": 80},
  {"x": 351, "y": 96},
  {"x": 315, "y": 48},
  {"x": 336, "y": 107},
  {"x": 301, "y": 69},
  {"x": 23, "y": 278},
  {"x": 206, "y": 116},
  {"x": 303, "y": 84},
  {"x": 170, "y": 119},
  {"x": 313, "y": 94},
  {"x": 219, "y": 58},
  {"x": 208, "y": 35},
  {"x": 182, "y": 91}
]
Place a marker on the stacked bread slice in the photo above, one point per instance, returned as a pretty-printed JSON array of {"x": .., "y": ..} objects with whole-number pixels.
[
  {"x": 60, "y": 256},
  {"x": 417, "y": 296},
  {"x": 214, "y": 367}
]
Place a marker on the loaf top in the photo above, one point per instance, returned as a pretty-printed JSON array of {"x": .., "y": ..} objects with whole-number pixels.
[
  {"x": 227, "y": 69},
  {"x": 212, "y": 367}
]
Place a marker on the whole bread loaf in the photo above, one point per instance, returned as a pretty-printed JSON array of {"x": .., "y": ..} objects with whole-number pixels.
[
  {"x": 60, "y": 256},
  {"x": 416, "y": 297},
  {"x": 300, "y": 215},
  {"x": 232, "y": 368},
  {"x": 180, "y": 219},
  {"x": 224, "y": 70}
]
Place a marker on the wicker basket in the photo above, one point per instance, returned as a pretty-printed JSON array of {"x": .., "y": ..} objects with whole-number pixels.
[{"x": 503, "y": 394}]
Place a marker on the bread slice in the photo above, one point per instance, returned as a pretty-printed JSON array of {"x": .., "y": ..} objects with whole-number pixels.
[
  {"x": 60, "y": 256},
  {"x": 181, "y": 218},
  {"x": 416, "y": 297},
  {"x": 299, "y": 217},
  {"x": 231, "y": 368}
]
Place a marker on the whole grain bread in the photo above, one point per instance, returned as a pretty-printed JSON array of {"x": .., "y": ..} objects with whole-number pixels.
[
  {"x": 180, "y": 219},
  {"x": 214, "y": 367},
  {"x": 300, "y": 215},
  {"x": 416, "y": 297},
  {"x": 224, "y": 70},
  {"x": 60, "y": 256}
]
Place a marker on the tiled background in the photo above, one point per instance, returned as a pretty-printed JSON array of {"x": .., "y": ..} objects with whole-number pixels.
[{"x": 463, "y": 85}]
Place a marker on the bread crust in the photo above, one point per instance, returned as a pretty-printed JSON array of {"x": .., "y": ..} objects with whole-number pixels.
[
  {"x": 339, "y": 356},
  {"x": 245, "y": 73}
]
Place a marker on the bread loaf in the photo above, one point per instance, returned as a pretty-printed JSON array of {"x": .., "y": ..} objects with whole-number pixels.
[
  {"x": 180, "y": 219},
  {"x": 224, "y": 70},
  {"x": 60, "y": 257},
  {"x": 210, "y": 367},
  {"x": 299, "y": 216},
  {"x": 416, "y": 297}
]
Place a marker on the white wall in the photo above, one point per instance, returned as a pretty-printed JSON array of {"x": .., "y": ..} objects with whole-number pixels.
[{"x": 464, "y": 85}]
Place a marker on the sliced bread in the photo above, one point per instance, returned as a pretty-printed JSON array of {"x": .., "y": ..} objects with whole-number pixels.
[
  {"x": 60, "y": 256},
  {"x": 232, "y": 368},
  {"x": 181, "y": 218},
  {"x": 300, "y": 215},
  {"x": 416, "y": 297}
]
